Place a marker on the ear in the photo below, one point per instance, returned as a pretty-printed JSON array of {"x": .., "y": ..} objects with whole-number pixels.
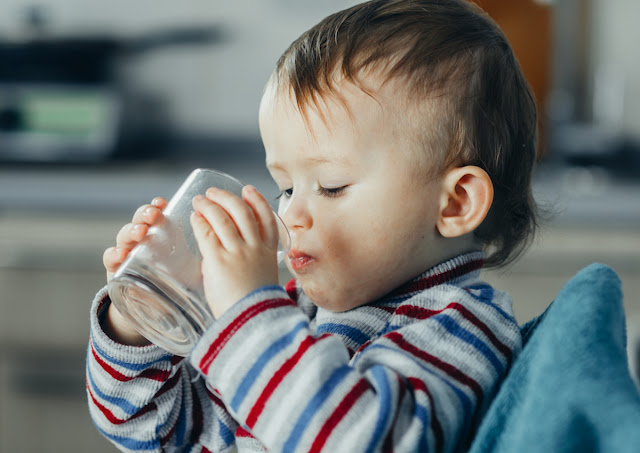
[{"x": 467, "y": 194}]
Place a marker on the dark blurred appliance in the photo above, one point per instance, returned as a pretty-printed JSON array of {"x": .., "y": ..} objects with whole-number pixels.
[{"x": 63, "y": 100}]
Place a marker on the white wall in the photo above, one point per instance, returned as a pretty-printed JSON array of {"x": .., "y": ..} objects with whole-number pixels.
[
  {"x": 213, "y": 89},
  {"x": 615, "y": 37},
  {"x": 217, "y": 89}
]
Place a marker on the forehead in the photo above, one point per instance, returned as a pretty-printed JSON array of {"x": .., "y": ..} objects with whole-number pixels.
[
  {"x": 350, "y": 123},
  {"x": 332, "y": 130}
]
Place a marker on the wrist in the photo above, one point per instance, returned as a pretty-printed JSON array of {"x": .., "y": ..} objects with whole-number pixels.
[{"x": 116, "y": 327}]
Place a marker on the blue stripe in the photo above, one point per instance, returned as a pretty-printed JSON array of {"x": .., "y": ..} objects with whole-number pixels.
[
  {"x": 122, "y": 403},
  {"x": 262, "y": 361},
  {"x": 458, "y": 331},
  {"x": 486, "y": 296},
  {"x": 384, "y": 411},
  {"x": 352, "y": 333},
  {"x": 464, "y": 399},
  {"x": 128, "y": 365},
  {"x": 181, "y": 426},
  {"x": 314, "y": 405},
  {"x": 132, "y": 444},
  {"x": 225, "y": 433},
  {"x": 423, "y": 415},
  {"x": 266, "y": 288}
]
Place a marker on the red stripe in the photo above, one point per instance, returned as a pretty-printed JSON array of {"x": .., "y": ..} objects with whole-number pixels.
[
  {"x": 112, "y": 418},
  {"x": 149, "y": 407},
  {"x": 424, "y": 313},
  {"x": 170, "y": 384},
  {"x": 504, "y": 349},
  {"x": 338, "y": 414},
  {"x": 438, "y": 363},
  {"x": 150, "y": 373},
  {"x": 419, "y": 385},
  {"x": 176, "y": 359},
  {"x": 241, "y": 432},
  {"x": 232, "y": 328},
  {"x": 292, "y": 289},
  {"x": 278, "y": 377},
  {"x": 217, "y": 401},
  {"x": 438, "y": 279},
  {"x": 364, "y": 346}
]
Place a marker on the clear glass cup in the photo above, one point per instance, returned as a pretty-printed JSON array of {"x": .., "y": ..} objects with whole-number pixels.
[{"x": 158, "y": 288}]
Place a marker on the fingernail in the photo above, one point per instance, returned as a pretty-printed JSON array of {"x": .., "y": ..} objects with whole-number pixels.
[{"x": 198, "y": 197}]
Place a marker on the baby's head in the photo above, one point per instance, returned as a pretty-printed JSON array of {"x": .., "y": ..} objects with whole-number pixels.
[{"x": 423, "y": 97}]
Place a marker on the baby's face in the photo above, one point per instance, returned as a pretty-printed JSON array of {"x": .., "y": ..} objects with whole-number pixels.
[{"x": 361, "y": 221}]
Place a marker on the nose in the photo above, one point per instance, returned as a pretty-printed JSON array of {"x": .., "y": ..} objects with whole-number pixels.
[{"x": 295, "y": 213}]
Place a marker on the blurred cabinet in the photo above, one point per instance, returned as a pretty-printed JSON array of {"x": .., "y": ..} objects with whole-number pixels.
[{"x": 528, "y": 25}]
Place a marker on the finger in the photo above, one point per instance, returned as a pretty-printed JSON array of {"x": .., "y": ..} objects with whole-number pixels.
[
  {"x": 130, "y": 234},
  {"x": 150, "y": 213},
  {"x": 206, "y": 237},
  {"x": 159, "y": 202},
  {"x": 113, "y": 258},
  {"x": 263, "y": 214},
  {"x": 219, "y": 221},
  {"x": 239, "y": 212}
]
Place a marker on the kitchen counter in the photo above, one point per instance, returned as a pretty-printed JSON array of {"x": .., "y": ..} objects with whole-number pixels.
[{"x": 119, "y": 186}]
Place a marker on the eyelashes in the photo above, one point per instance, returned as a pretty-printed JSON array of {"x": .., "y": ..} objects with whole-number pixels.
[{"x": 332, "y": 192}]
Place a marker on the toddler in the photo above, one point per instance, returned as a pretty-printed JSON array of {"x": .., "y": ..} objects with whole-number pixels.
[{"x": 402, "y": 136}]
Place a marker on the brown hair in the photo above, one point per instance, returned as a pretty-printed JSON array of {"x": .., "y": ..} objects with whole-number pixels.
[{"x": 451, "y": 53}]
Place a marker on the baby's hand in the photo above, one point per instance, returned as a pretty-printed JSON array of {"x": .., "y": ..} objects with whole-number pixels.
[
  {"x": 132, "y": 233},
  {"x": 238, "y": 241},
  {"x": 115, "y": 325}
]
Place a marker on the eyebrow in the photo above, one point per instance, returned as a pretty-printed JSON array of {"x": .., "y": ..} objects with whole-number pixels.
[{"x": 312, "y": 160}]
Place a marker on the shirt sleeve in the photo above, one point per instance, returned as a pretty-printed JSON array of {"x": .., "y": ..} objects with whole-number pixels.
[
  {"x": 145, "y": 399},
  {"x": 418, "y": 387}
]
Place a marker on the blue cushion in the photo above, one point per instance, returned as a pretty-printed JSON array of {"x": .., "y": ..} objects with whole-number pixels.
[{"x": 570, "y": 389}]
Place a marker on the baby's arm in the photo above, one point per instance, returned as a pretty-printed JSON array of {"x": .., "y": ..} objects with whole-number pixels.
[{"x": 141, "y": 397}]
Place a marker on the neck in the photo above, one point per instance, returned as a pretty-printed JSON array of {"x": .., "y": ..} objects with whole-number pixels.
[{"x": 447, "y": 248}]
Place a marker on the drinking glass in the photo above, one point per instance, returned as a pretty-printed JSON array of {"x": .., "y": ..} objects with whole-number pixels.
[{"x": 158, "y": 288}]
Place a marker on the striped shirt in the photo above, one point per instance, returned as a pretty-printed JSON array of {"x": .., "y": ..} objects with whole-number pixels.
[{"x": 413, "y": 371}]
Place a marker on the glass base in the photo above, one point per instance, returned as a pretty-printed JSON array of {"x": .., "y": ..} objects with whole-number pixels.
[{"x": 163, "y": 313}]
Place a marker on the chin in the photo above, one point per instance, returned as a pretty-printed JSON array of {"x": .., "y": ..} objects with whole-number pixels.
[{"x": 334, "y": 302}]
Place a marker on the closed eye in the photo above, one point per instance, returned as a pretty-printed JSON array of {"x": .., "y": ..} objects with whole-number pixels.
[{"x": 331, "y": 192}]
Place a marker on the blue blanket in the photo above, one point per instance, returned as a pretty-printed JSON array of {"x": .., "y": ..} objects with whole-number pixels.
[{"x": 570, "y": 389}]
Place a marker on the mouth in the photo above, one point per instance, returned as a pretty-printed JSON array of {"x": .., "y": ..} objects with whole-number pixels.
[{"x": 299, "y": 260}]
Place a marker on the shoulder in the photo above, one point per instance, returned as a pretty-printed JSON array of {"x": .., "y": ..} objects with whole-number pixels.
[{"x": 474, "y": 311}]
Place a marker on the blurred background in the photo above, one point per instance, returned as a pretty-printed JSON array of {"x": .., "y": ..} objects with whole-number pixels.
[{"x": 104, "y": 105}]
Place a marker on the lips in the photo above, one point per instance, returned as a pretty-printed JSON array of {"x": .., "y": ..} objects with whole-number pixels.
[{"x": 299, "y": 260}]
